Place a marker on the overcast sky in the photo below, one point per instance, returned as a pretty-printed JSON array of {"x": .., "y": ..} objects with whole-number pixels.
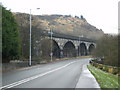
[{"x": 101, "y": 13}]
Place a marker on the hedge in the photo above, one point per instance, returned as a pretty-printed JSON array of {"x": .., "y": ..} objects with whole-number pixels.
[{"x": 106, "y": 68}]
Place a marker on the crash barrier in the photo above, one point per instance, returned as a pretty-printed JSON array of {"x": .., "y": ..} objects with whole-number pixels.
[{"x": 110, "y": 69}]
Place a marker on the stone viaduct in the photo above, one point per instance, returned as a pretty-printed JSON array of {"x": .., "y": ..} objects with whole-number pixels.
[{"x": 70, "y": 46}]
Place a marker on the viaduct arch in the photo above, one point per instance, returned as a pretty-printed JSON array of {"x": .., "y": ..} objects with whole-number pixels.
[
  {"x": 69, "y": 49},
  {"x": 70, "y": 46}
]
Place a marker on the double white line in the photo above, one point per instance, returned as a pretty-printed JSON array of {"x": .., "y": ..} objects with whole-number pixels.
[{"x": 33, "y": 77}]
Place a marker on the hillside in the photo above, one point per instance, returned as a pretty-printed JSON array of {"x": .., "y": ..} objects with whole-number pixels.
[{"x": 65, "y": 24}]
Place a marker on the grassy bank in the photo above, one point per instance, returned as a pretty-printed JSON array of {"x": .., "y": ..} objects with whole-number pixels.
[{"x": 104, "y": 79}]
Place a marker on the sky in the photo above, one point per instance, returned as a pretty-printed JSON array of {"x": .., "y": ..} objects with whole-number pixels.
[{"x": 102, "y": 14}]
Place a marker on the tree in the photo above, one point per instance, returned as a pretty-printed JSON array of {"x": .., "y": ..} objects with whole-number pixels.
[
  {"x": 10, "y": 37},
  {"x": 82, "y": 18},
  {"x": 76, "y": 17},
  {"x": 46, "y": 49},
  {"x": 107, "y": 47}
]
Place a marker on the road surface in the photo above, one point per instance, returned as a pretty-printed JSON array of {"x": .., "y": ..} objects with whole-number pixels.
[{"x": 59, "y": 74}]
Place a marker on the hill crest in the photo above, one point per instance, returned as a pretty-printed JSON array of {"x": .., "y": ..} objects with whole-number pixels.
[{"x": 66, "y": 24}]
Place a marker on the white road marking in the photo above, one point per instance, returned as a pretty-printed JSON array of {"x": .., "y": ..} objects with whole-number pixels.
[{"x": 33, "y": 77}]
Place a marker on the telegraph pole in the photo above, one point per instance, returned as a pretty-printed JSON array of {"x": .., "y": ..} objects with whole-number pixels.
[
  {"x": 79, "y": 46},
  {"x": 51, "y": 45},
  {"x": 30, "y": 41}
]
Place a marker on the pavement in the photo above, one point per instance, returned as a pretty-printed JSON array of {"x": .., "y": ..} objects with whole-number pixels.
[{"x": 87, "y": 80}]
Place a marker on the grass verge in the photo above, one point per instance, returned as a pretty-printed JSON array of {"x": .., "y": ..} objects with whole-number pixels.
[{"x": 104, "y": 79}]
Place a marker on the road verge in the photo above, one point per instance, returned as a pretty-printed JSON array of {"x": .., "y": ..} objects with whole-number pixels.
[{"x": 104, "y": 79}]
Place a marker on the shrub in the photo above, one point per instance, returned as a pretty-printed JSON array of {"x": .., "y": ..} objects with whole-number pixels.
[
  {"x": 100, "y": 66},
  {"x": 105, "y": 68}
]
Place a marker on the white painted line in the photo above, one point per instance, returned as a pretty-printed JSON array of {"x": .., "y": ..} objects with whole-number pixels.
[{"x": 33, "y": 77}]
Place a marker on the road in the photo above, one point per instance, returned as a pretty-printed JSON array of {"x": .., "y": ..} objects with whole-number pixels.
[{"x": 59, "y": 74}]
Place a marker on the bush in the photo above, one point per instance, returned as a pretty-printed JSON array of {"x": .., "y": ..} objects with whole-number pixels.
[
  {"x": 105, "y": 68},
  {"x": 100, "y": 66}
]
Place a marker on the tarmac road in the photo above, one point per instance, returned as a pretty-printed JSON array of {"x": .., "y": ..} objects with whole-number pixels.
[{"x": 59, "y": 74}]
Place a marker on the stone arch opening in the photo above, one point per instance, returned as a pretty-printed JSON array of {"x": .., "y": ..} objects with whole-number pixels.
[
  {"x": 69, "y": 50},
  {"x": 82, "y": 49},
  {"x": 55, "y": 49},
  {"x": 91, "y": 48}
]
